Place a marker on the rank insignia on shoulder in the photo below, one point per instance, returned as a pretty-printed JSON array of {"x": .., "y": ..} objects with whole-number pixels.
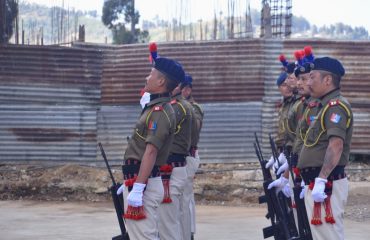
[
  {"x": 152, "y": 125},
  {"x": 173, "y": 101},
  {"x": 157, "y": 108},
  {"x": 335, "y": 118},
  {"x": 313, "y": 104},
  {"x": 333, "y": 103}
]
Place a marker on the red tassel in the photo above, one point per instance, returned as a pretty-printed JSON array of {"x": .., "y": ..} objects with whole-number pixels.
[
  {"x": 135, "y": 213},
  {"x": 312, "y": 184},
  {"x": 296, "y": 171},
  {"x": 166, "y": 186},
  {"x": 316, "y": 216},
  {"x": 329, "y": 218},
  {"x": 294, "y": 205},
  {"x": 166, "y": 171}
]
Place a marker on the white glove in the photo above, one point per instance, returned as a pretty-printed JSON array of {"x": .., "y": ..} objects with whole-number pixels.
[
  {"x": 270, "y": 162},
  {"x": 278, "y": 183},
  {"x": 282, "y": 158},
  {"x": 135, "y": 197},
  {"x": 318, "y": 193},
  {"x": 283, "y": 168},
  {"x": 304, "y": 189},
  {"x": 287, "y": 190},
  {"x": 121, "y": 189},
  {"x": 281, "y": 161}
]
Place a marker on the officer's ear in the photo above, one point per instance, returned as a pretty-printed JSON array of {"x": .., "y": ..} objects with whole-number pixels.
[
  {"x": 328, "y": 79},
  {"x": 161, "y": 79}
]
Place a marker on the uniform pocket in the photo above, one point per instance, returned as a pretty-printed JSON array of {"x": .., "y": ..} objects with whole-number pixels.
[{"x": 313, "y": 135}]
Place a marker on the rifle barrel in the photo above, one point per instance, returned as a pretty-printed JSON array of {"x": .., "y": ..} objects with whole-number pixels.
[{"x": 106, "y": 162}]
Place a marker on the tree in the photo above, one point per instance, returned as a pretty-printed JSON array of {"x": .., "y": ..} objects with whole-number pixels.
[
  {"x": 8, "y": 14},
  {"x": 118, "y": 13}
]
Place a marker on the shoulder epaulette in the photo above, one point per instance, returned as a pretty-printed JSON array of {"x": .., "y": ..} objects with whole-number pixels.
[
  {"x": 157, "y": 108},
  {"x": 173, "y": 101},
  {"x": 334, "y": 102},
  {"x": 198, "y": 106},
  {"x": 313, "y": 104}
]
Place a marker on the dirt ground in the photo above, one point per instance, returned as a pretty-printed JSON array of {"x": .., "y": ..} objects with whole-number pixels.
[
  {"x": 215, "y": 185},
  {"x": 72, "y": 202},
  {"x": 26, "y": 220}
]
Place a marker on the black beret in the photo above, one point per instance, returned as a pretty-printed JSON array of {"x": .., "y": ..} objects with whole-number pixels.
[
  {"x": 290, "y": 68},
  {"x": 188, "y": 80},
  {"x": 282, "y": 77},
  {"x": 328, "y": 64},
  {"x": 306, "y": 68},
  {"x": 170, "y": 68}
]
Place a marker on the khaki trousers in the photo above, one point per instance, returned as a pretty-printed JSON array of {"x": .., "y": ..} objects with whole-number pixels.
[
  {"x": 147, "y": 229},
  {"x": 169, "y": 213},
  {"x": 291, "y": 183},
  {"x": 328, "y": 231},
  {"x": 188, "y": 204}
]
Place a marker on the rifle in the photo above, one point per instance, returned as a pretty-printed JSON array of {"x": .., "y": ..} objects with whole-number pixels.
[
  {"x": 302, "y": 218},
  {"x": 285, "y": 202},
  {"x": 274, "y": 153},
  {"x": 117, "y": 200},
  {"x": 304, "y": 229},
  {"x": 279, "y": 228}
]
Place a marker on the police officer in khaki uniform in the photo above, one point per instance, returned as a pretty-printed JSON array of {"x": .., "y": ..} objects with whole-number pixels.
[
  {"x": 285, "y": 136},
  {"x": 170, "y": 225},
  {"x": 148, "y": 150},
  {"x": 296, "y": 112},
  {"x": 192, "y": 161},
  {"x": 325, "y": 152},
  {"x": 284, "y": 139},
  {"x": 307, "y": 112}
]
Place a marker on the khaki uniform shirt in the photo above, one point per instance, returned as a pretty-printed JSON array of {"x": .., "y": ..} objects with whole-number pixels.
[
  {"x": 294, "y": 115},
  {"x": 307, "y": 114},
  {"x": 283, "y": 137},
  {"x": 335, "y": 118},
  {"x": 197, "y": 122},
  {"x": 156, "y": 126},
  {"x": 182, "y": 139}
]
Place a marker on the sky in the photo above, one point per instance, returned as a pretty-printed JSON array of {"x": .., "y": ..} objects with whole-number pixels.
[{"x": 318, "y": 12}]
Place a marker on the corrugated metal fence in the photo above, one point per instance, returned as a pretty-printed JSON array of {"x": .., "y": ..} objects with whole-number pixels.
[
  {"x": 56, "y": 103},
  {"x": 49, "y": 98}
]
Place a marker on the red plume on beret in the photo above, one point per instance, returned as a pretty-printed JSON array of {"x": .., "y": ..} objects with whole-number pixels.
[
  {"x": 283, "y": 60},
  {"x": 153, "y": 52},
  {"x": 298, "y": 55},
  {"x": 307, "y": 50},
  {"x": 309, "y": 57},
  {"x": 153, "y": 47}
]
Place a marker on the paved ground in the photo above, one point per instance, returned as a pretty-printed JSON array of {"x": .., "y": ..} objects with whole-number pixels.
[{"x": 64, "y": 220}]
